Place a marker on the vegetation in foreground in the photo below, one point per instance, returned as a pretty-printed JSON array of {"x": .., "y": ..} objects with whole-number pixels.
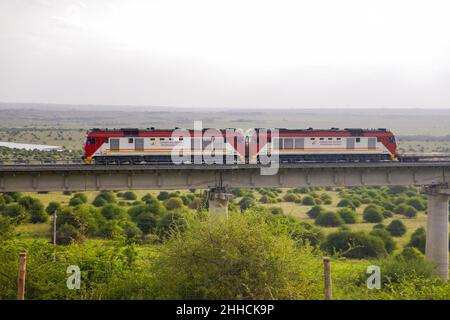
[{"x": 137, "y": 245}]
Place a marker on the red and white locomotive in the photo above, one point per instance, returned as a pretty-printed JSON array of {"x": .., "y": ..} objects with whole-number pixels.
[{"x": 136, "y": 146}]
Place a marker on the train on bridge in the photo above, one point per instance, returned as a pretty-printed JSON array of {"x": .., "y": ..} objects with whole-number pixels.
[{"x": 231, "y": 146}]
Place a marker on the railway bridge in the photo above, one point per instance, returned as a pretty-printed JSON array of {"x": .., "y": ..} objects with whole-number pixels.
[{"x": 432, "y": 176}]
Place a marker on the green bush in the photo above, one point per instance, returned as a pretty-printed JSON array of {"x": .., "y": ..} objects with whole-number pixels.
[
  {"x": 276, "y": 210},
  {"x": 103, "y": 198},
  {"x": 356, "y": 245},
  {"x": 329, "y": 219},
  {"x": 163, "y": 195},
  {"x": 417, "y": 203},
  {"x": 7, "y": 228},
  {"x": 404, "y": 267},
  {"x": 345, "y": 203},
  {"x": 291, "y": 197},
  {"x": 242, "y": 255},
  {"x": 76, "y": 202},
  {"x": 246, "y": 203},
  {"x": 389, "y": 243},
  {"x": 372, "y": 214},
  {"x": 37, "y": 213},
  {"x": 81, "y": 196},
  {"x": 113, "y": 212},
  {"x": 418, "y": 239},
  {"x": 15, "y": 211},
  {"x": 52, "y": 207},
  {"x": 348, "y": 215},
  {"x": 173, "y": 203},
  {"x": 396, "y": 228},
  {"x": 410, "y": 212},
  {"x": 129, "y": 195},
  {"x": 308, "y": 201},
  {"x": 326, "y": 198},
  {"x": 314, "y": 212}
]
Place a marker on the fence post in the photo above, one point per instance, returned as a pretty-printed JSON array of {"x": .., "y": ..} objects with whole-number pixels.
[
  {"x": 327, "y": 270},
  {"x": 21, "y": 277}
]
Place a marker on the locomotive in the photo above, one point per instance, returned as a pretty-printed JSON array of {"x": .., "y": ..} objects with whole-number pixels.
[{"x": 151, "y": 145}]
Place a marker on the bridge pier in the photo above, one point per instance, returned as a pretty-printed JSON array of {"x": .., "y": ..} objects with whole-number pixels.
[
  {"x": 218, "y": 200},
  {"x": 437, "y": 246}
]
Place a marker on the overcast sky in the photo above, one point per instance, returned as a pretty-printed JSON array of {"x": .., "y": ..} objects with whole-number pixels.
[{"x": 242, "y": 54}]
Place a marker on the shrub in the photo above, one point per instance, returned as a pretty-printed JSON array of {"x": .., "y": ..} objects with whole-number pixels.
[
  {"x": 15, "y": 211},
  {"x": 84, "y": 219},
  {"x": 67, "y": 233},
  {"x": 357, "y": 245},
  {"x": 308, "y": 201},
  {"x": 276, "y": 210},
  {"x": 379, "y": 226},
  {"x": 163, "y": 195},
  {"x": 242, "y": 255},
  {"x": 387, "y": 213},
  {"x": 418, "y": 239},
  {"x": 81, "y": 196},
  {"x": 404, "y": 267},
  {"x": 326, "y": 198},
  {"x": 348, "y": 215},
  {"x": 345, "y": 203},
  {"x": 98, "y": 202},
  {"x": 389, "y": 243},
  {"x": 27, "y": 202},
  {"x": 410, "y": 212},
  {"x": 76, "y": 202},
  {"x": 146, "y": 222},
  {"x": 52, "y": 207},
  {"x": 149, "y": 198},
  {"x": 37, "y": 213},
  {"x": 172, "y": 221},
  {"x": 314, "y": 212},
  {"x": 329, "y": 219},
  {"x": 7, "y": 228},
  {"x": 372, "y": 215},
  {"x": 173, "y": 203},
  {"x": 246, "y": 203},
  {"x": 129, "y": 195},
  {"x": 67, "y": 193},
  {"x": 417, "y": 203},
  {"x": 103, "y": 198},
  {"x": 113, "y": 212},
  {"x": 396, "y": 228},
  {"x": 291, "y": 197}
]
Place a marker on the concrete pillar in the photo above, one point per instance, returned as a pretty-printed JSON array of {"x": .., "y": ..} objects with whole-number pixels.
[
  {"x": 436, "y": 249},
  {"x": 218, "y": 200}
]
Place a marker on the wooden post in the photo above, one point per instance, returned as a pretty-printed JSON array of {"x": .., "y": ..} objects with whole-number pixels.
[
  {"x": 327, "y": 270},
  {"x": 21, "y": 277}
]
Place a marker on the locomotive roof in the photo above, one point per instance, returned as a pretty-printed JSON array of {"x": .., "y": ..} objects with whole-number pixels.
[{"x": 309, "y": 130}]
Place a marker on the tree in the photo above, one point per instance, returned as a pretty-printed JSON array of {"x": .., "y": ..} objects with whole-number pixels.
[
  {"x": 417, "y": 203},
  {"x": 146, "y": 222},
  {"x": 329, "y": 219},
  {"x": 396, "y": 228},
  {"x": 291, "y": 197}
]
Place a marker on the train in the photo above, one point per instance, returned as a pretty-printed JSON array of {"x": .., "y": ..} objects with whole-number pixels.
[{"x": 233, "y": 146}]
